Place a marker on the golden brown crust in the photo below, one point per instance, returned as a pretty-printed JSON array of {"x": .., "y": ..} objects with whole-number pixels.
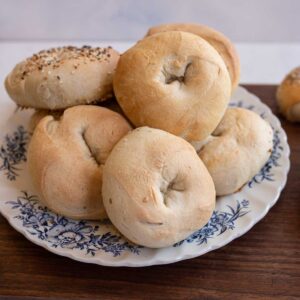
[
  {"x": 173, "y": 81},
  {"x": 219, "y": 41},
  {"x": 162, "y": 193},
  {"x": 63, "y": 77},
  {"x": 66, "y": 156},
  {"x": 288, "y": 96}
]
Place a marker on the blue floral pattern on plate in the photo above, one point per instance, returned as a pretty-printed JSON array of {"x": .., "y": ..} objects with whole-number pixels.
[
  {"x": 13, "y": 152},
  {"x": 219, "y": 222},
  {"x": 91, "y": 240},
  {"x": 266, "y": 172},
  {"x": 67, "y": 233}
]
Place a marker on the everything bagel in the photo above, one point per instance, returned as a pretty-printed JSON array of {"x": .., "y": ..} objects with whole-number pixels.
[
  {"x": 63, "y": 77},
  {"x": 288, "y": 96}
]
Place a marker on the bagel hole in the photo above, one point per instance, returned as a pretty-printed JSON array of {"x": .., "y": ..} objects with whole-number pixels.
[
  {"x": 216, "y": 134},
  {"x": 51, "y": 126},
  {"x": 91, "y": 153},
  {"x": 170, "y": 77},
  {"x": 173, "y": 186},
  {"x": 152, "y": 223}
]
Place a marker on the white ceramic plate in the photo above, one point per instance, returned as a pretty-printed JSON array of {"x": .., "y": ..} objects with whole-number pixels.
[{"x": 99, "y": 242}]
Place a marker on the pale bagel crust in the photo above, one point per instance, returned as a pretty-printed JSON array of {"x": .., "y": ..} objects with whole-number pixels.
[
  {"x": 288, "y": 96},
  {"x": 63, "y": 77},
  {"x": 218, "y": 40},
  {"x": 66, "y": 156},
  {"x": 38, "y": 115},
  {"x": 161, "y": 193},
  {"x": 237, "y": 150},
  {"x": 173, "y": 81}
]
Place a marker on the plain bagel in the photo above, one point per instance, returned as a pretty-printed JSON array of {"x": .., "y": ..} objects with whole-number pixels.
[
  {"x": 237, "y": 149},
  {"x": 66, "y": 156},
  {"x": 219, "y": 41},
  {"x": 162, "y": 193},
  {"x": 63, "y": 77},
  {"x": 173, "y": 81},
  {"x": 288, "y": 96}
]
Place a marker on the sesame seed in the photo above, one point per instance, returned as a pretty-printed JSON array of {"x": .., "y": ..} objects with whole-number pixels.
[{"x": 55, "y": 57}]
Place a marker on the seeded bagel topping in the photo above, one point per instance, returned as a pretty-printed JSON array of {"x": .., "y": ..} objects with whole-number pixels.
[
  {"x": 56, "y": 57},
  {"x": 294, "y": 76}
]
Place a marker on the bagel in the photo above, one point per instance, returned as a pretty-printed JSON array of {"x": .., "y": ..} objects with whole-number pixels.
[
  {"x": 288, "y": 96},
  {"x": 237, "y": 150},
  {"x": 162, "y": 193},
  {"x": 65, "y": 159},
  {"x": 173, "y": 81},
  {"x": 63, "y": 77},
  {"x": 219, "y": 41}
]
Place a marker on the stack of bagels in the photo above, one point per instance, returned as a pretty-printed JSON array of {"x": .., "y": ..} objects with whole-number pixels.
[{"x": 155, "y": 162}]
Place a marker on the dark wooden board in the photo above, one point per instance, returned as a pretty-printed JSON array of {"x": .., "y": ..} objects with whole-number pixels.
[{"x": 262, "y": 264}]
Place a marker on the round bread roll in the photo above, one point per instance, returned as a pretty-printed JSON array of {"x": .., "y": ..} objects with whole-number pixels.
[
  {"x": 173, "y": 81},
  {"x": 220, "y": 42},
  {"x": 162, "y": 193},
  {"x": 288, "y": 96},
  {"x": 62, "y": 77},
  {"x": 66, "y": 157},
  {"x": 237, "y": 150}
]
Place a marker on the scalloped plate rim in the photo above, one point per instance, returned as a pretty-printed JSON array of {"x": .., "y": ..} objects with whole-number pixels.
[{"x": 183, "y": 256}]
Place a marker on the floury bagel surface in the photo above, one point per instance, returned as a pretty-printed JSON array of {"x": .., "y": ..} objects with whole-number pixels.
[
  {"x": 237, "y": 150},
  {"x": 66, "y": 157},
  {"x": 215, "y": 38},
  {"x": 162, "y": 193},
  {"x": 174, "y": 81}
]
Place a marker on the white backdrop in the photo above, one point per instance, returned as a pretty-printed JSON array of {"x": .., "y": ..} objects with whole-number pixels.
[{"x": 241, "y": 20}]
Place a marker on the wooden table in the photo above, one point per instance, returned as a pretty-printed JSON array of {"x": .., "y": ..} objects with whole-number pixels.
[{"x": 262, "y": 264}]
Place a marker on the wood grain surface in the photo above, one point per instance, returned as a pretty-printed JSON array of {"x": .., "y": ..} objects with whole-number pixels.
[{"x": 262, "y": 264}]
